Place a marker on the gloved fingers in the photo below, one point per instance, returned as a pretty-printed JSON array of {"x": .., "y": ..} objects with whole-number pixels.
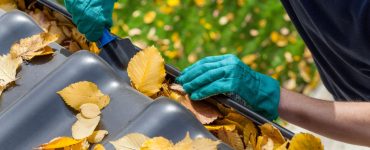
[
  {"x": 214, "y": 88},
  {"x": 197, "y": 71},
  {"x": 206, "y": 78},
  {"x": 208, "y": 59}
]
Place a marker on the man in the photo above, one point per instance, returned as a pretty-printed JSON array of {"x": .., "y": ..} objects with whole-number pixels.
[{"x": 338, "y": 34}]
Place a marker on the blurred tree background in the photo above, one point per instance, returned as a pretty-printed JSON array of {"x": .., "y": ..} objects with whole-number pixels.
[{"x": 259, "y": 32}]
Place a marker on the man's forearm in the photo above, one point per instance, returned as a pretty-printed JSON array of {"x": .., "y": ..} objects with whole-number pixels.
[{"x": 345, "y": 121}]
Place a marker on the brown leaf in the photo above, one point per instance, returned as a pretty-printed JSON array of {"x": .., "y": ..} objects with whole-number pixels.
[
  {"x": 231, "y": 138},
  {"x": 203, "y": 111}
]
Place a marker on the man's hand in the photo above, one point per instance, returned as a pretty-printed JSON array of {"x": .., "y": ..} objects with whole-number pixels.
[
  {"x": 227, "y": 74},
  {"x": 91, "y": 16}
]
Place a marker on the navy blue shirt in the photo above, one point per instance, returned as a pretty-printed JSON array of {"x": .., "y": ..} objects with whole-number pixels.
[{"x": 337, "y": 32}]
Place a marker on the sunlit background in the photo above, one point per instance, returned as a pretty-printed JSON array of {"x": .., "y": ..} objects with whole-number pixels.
[{"x": 259, "y": 32}]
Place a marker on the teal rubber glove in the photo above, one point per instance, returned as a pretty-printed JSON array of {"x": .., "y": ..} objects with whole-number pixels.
[
  {"x": 91, "y": 16},
  {"x": 227, "y": 74}
]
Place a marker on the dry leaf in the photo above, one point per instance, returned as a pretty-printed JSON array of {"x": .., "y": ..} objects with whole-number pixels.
[
  {"x": 73, "y": 46},
  {"x": 273, "y": 133},
  {"x": 131, "y": 141},
  {"x": 229, "y": 127},
  {"x": 94, "y": 48},
  {"x": 59, "y": 142},
  {"x": 40, "y": 18},
  {"x": 177, "y": 88},
  {"x": 261, "y": 140},
  {"x": 89, "y": 110},
  {"x": 250, "y": 134},
  {"x": 83, "y": 127},
  {"x": 305, "y": 141},
  {"x": 283, "y": 147},
  {"x": 184, "y": 144},
  {"x": 198, "y": 144},
  {"x": 83, "y": 92},
  {"x": 231, "y": 137},
  {"x": 203, "y": 111},
  {"x": 224, "y": 109},
  {"x": 146, "y": 71},
  {"x": 54, "y": 29},
  {"x": 8, "y": 70},
  {"x": 97, "y": 136},
  {"x": 157, "y": 143},
  {"x": 205, "y": 144},
  {"x": 80, "y": 38},
  {"x": 269, "y": 145},
  {"x": 2, "y": 88},
  {"x": 228, "y": 121},
  {"x": 99, "y": 147},
  {"x": 35, "y": 45}
]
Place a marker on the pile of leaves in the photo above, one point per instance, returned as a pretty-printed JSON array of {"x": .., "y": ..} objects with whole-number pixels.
[
  {"x": 24, "y": 50},
  {"x": 85, "y": 98},
  {"x": 147, "y": 73},
  {"x": 53, "y": 22}
]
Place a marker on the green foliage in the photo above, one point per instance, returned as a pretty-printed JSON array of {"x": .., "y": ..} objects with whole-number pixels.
[{"x": 257, "y": 31}]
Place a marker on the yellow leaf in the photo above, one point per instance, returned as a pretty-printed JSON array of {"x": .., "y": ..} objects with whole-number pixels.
[
  {"x": 157, "y": 143},
  {"x": 249, "y": 59},
  {"x": 89, "y": 110},
  {"x": 35, "y": 45},
  {"x": 305, "y": 141},
  {"x": 83, "y": 92},
  {"x": 250, "y": 134},
  {"x": 149, "y": 17},
  {"x": 184, "y": 144},
  {"x": 173, "y": 3},
  {"x": 229, "y": 127},
  {"x": 146, "y": 71},
  {"x": 99, "y": 147},
  {"x": 283, "y": 147},
  {"x": 197, "y": 144},
  {"x": 60, "y": 142},
  {"x": 273, "y": 133},
  {"x": 97, "y": 136},
  {"x": 94, "y": 48},
  {"x": 83, "y": 127},
  {"x": 80, "y": 38},
  {"x": 232, "y": 138},
  {"x": 205, "y": 144},
  {"x": 8, "y": 70},
  {"x": 264, "y": 143},
  {"x": 200, "y": 3},
  {"x": 131, "y": 141}
]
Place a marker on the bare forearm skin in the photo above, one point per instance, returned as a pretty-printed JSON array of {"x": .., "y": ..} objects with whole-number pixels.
[{"x": 344, "y": 121}]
